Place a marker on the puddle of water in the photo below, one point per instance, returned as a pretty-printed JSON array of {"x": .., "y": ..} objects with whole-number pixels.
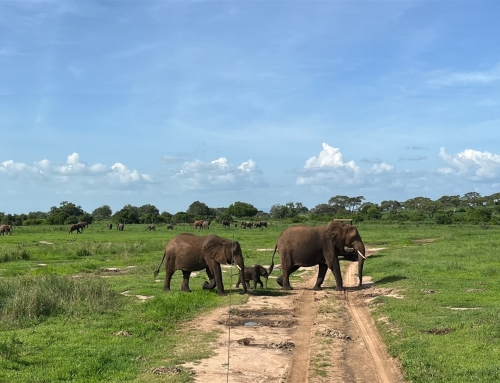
[{"x": 250, "y": 324}]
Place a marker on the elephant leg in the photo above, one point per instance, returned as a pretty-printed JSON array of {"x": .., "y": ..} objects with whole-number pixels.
[
  {"x": 211, "y": 284},
  {"x": 338, "y": 275},
  {"x": 185, "y": 281},
  {"x": 260, "y": 283},
  {"x": 218, "y": 277},
  {"x": 168, "y": 278},
  {"x": 286, "y": 277},
  {"x": 323, "y": 268}
]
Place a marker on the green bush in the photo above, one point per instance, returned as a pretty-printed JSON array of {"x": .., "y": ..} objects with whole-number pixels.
[{"x": 10, "y": 253}]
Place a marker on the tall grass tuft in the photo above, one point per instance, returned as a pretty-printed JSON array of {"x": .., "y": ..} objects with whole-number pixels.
[
  {"x": 13, "y": 253},
  {"x": 30, "y": 298}
]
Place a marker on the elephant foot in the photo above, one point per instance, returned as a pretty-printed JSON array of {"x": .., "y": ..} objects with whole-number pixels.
[
  {"x": 166, "y": 288},
  {"x": 287, "y": 288},
  {"x": 279, "y": 281},
  {"x": 317, "y": 288},
  {"x": 207, "y": 286},
  {"x": 339, "y": 288},
  {"x": 186, "y": 289},
  {"x": 221, "y": 294}
]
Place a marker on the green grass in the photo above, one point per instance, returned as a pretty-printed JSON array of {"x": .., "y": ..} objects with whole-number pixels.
[{"x": 63, "y": 317}]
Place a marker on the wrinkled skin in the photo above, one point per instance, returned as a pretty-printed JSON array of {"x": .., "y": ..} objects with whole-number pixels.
[
  {"x": 308, "y": 246},
  {"x": 253, "y": 274},
  {"x": 5, "y": 229},
  {"x": 188, "y": 252}
]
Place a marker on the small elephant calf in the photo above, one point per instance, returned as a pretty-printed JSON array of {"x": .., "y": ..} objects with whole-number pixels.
[{"x": 253, "y": 274}]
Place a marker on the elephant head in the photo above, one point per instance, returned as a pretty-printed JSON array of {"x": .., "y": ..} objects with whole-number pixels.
[
  {"x": 225, "y": 251},
  {"x": 347, "y": 236}
]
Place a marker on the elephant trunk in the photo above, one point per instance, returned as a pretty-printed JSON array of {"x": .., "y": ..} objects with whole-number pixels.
[
  {"x": 360, "y": 248},
  {"x": 241, "y": 268}
]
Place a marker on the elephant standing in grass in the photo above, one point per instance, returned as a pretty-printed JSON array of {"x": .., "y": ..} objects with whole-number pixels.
[
  {"x": 151, "y": 227},
  {"x": 76, "y": 226},
  {"x": 5, "y": 229},
  {"x": 253, "y": 274},
  {"x": 198, "y": 224},
  {"x": 110, "y": 226},
  {"x": 308, "y": 246},
  {"x": 120, "y": 227},
  {"x": 205, "y": 225},
  {"x": 188, "y": 252},
  {"x": 170, "y": 227}
]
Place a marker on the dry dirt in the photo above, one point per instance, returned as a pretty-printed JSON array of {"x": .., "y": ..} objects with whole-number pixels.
[{"x": 299, "y": 336}]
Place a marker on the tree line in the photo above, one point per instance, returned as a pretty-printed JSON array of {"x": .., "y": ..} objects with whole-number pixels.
[{"x": 471, "y": 207}]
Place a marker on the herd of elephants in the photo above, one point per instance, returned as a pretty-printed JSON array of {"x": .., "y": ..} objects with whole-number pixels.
[{"x": 297, "y": 246}]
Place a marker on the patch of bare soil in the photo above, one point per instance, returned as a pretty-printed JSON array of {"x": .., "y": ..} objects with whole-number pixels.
[{"x": 298, "y": 336}]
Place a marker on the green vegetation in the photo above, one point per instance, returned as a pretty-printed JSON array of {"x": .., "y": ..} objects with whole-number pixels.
[{"x": 69, "y": 309}]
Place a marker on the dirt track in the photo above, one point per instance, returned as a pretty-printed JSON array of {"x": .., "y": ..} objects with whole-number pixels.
[{"x": 301, "y": 336}]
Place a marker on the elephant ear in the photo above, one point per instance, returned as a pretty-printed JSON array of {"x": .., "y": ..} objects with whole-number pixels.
[
  {"x": 215, "y": 249},
  {"x": 336, "y": 233}
]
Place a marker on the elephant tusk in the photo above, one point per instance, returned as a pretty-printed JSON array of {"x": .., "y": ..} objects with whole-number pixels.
[
  {"x": 239, "y": 268},
  {"x": 362, "y": 256}
]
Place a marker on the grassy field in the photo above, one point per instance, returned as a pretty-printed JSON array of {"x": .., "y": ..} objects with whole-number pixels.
[{"x": 63, "y": 316}]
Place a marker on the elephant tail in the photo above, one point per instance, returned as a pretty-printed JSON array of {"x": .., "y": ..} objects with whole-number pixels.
[
  {"x": 157, "y": 271},
  {"x": 272, "y": 262}
]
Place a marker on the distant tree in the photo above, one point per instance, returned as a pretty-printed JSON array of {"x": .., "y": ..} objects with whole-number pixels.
[
  {"x": 102, "y": 213},
  {"x": 242, "y": 209},
  {"x": 324, "y": 209},
  {"x": 373, "y": 212},
  {"x": 289, "y": 210},
  {"x": 471, "y": 199},
  {"x": 128, "y": 214},
  {"x": 165, "y": 217},
  {"x": 340, "y": 201},
  {"x": 390, "y": 206},
  {"x": 66, "y": 213},
  {"x": 478, "y": 215},
  {"x": 182, "y": 217},
  {"x": 199, "y": 209},
  {"x": 446, "y": 202},
  {"x": 148, "y": 214}
]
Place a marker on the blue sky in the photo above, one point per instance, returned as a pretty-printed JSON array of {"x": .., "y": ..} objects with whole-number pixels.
[{"x": 265, "y": 102}]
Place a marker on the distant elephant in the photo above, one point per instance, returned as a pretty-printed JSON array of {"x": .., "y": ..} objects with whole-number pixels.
[
  {"x": 197, "y": 224},
  {"x": 189, "y": 252},
  {"x": 225, "y": 223},
  {"x": 253, "y": 274},
  {"x": 76, "y": 226},
  {"x": 5, "y": 229},
  {"x": 236, "y": 224},
  {"x": 322, "y": 245},
  {"x": 120, "y": 226},
  {"x": 244, "y": 225},
  {"x": 205, "y": 225},
  {"x": 83, "y": 224},
  {"x": 151, "y": 227},
  {"x": 110, "y": 226},
  {"x": 170, "y": 227}
]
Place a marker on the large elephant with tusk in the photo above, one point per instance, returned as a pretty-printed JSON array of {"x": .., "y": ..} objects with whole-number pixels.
[{"x": 322, "y": 245}]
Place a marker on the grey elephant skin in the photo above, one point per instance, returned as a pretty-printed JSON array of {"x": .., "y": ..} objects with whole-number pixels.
[
  {"x": 5, "y": 229},
  {"x": 188, "y": 252},
  {"x": 253, "y": 274},
  {"x": 303, "y": 246},
  {"x": 120, "y": 227},
  {"x": 76, "y": 226}
]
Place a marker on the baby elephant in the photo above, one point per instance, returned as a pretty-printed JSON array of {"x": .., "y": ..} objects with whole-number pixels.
[{"x": 253, "y": 274}]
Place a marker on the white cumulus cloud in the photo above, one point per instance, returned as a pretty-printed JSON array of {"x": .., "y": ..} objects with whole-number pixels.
[{"x": 471, "y": 164}]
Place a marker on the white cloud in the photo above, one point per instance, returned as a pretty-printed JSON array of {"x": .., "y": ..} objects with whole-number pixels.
[
  {"x": 74, "y": 170},
  {"x": 472, "y": 164},
  {"x": 450, "y": 78},
  {"x": 219, "y": 174}
]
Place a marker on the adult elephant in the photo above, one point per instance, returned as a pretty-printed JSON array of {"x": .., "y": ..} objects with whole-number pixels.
[
  {"x": 5, "y": 229},
  {"x": 197, "y": 224},
  {"x": 120, "y": 227},
  {"x": 110, "y": 226},
  {"x": 205, "y": 225},
  {"x": 188, "y": 252},
  {"x": 83, "y": 224},
  {"x": 151, "y": 228},
  {"x": 76, "y": 226},
  {"x": 170, "y": 227},
  {"x": 322, "y": 245}
]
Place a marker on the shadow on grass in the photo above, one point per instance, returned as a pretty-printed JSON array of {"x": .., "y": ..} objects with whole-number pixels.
[
  {"x": 390, "y": 279},
  {"x": 268, "y": 293}
]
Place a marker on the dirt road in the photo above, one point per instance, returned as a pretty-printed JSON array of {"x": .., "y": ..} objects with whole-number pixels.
[{"x": 301, "y": 336}]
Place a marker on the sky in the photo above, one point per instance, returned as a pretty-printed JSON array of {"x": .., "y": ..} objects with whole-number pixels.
[{"x": 264, "y": 102}]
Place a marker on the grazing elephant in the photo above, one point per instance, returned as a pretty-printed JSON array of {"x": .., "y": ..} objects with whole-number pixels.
[
  {"x": 170, "y": 227},
  {"x": 120, "y": 226},
  {"x": 83, "y": 224},
  {"x": 244, "y": 225},
  {"x": 225, "y": 223},
  {"x": 151, "y": 227},
  {"x": 253, "y": 274},
  {"x": 205, "y": 225},
  {"x": 189, "y": 252},
  {"x": 110, "y": 226},
  {"x": 308, "y": 246},
  {"x": 198, "y": 224},
  {"x": 76, "y": 226},
  {"x": 5, "y": 229}
]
